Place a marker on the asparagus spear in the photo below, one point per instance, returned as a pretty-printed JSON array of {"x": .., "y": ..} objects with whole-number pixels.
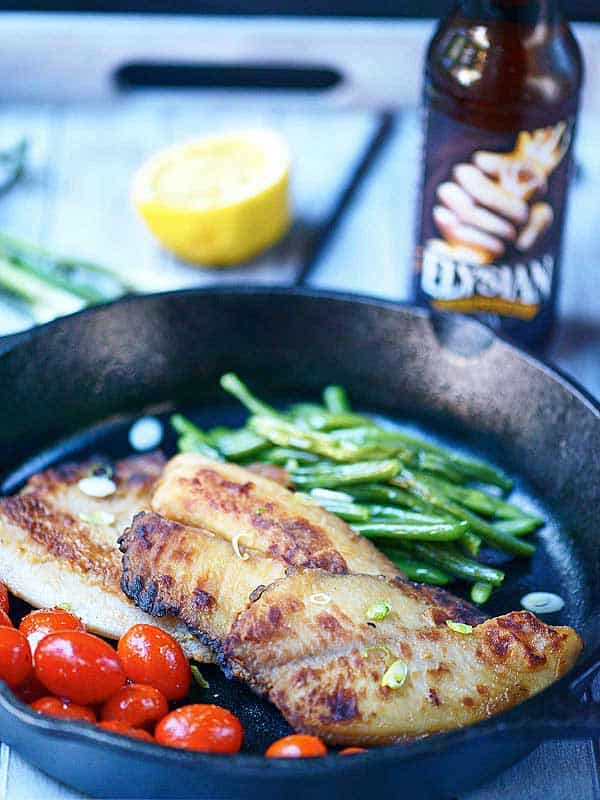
[
  {"x": 46, "y": 301},
  {"x": 86, "y": 281},
  {"x": 12, "y": 164}
]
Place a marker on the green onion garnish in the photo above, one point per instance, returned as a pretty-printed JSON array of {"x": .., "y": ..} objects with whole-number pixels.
[
  {"x": 395, "y": 674},
  {"x": 459, "y": 627},
  {"x": 378, "y": 611}
]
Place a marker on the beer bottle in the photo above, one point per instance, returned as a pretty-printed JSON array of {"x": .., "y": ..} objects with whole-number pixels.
[{"x": 502, "y": 85}]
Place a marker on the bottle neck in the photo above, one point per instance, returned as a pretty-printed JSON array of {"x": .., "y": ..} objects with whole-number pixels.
[{"x": 527, "y": 12}]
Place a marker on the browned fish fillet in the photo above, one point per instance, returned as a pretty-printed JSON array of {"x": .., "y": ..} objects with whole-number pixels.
[
  {"x": 169, "y": 568},
  {"x": 304, "y": 640},
  {"x": 50, "y": 555},
  {"x": 229, "y": 500}
]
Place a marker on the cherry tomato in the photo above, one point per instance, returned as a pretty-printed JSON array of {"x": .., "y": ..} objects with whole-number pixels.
[
  {"x": 31, "y": 690},
  {"x": 297, "y": 746},
  {"x": 350, "y": 751},
  {"x": 137, "y": 705},
  {"x": 5, "y": 620},
  {"x": 55, "y": 707},
  {"x": 78, "y": 666},
  {"x": 115, "y": 726},
  {"x": 152, "y": 656},
  {"x": 4, "y": 601},
  {"x": 40, "y": 623},
  {"x": 16, "y": 664},
  {"x": 208, "y": 728}
]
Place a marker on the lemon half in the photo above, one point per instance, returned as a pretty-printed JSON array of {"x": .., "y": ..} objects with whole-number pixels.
[{"x": 219, "y": 200}]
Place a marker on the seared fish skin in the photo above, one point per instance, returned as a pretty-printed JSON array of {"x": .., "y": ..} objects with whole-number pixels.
[
  {"x": 49, "y": 555},
  {"x": 305, "y": 643},
  {"x": 228, "y": 500}
]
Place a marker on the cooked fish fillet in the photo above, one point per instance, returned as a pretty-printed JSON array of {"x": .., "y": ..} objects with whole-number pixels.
[
  {"x": 323, "y": 665},
  {"x": 230, "y": 500},
  {"x": 304, "y": 640},
  {"x": 49, "y": 555},
  {"x": 169, "y": 568}
]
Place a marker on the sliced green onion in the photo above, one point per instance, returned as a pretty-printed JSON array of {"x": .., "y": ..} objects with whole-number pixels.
[
  {"x": 395, "y": 675},
  {"x": 378, "y": 611},
  {"x": 459, "y": 627}
]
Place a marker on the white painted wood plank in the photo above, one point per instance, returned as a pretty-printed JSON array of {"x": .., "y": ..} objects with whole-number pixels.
[
  {"x": 76, "y": 200},
  {"x": 555, "y": 771},
  {"x": 27, "y": 783}
]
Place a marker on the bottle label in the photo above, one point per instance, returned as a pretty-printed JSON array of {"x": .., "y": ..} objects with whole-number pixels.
[{"x": 492, "y": 216}]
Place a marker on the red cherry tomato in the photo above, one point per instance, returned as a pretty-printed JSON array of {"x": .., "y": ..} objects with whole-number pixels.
[
  {"x": 16, "y": 664},
  {"x": 40, "y": 623},
  {"x": 78, "y": 666},
  {"x": 351, "y": 751},
  {"x": 5, "y": 620},
  {"x": 152, "y": 656},
  {"x": 55, "y": 707},
  {"x": 4, "y": 601},
  {"x": 297, "y": 746},
  {"x": 31, "y": 690},
  {"x": 137, "y": 705},
  {"x": 208, "y": 728},
  {"x": 115, "y": 726}
]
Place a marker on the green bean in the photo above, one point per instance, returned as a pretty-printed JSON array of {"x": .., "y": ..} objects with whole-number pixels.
[
  {"x": 471, "y": 543},
  {"x": 330, "y": 495},
  {"x": 447, "y": 557},
  {"x": 327, "y": 421},
  {"x": 517, "y": 527},
  {"x": 417, "y": 570},
  {"x": 481, "y": 592},
  {"x": 345, "y": 474},
  {"x": 481, "y": 502},
  {"x": 193, "y": 439},
  {"x": 390, "y": 513},
  {"x": 281, "y": 455},
  {"x": 497, "y": 538},
  {"x": 236, "y": 444},
  {"x": 336, "y": 399},
  {"x": 232, "y": 384},
  {"x": 350, "y": 512},
  {"x": 473, "y": 499},
  {"x": 432, "y": 462},
  {"x": 469, "y": 467},
  {"x": 377, "y": 493},
  {"x": 441, "y": 532},
  {"x": 317, "y": 418},
  {"x": 286, "y": 434}
]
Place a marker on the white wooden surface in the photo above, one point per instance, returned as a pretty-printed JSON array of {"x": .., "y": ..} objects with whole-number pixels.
[{"x": 75, "y": 199}]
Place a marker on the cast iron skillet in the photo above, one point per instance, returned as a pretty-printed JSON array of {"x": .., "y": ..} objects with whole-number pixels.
[{"x": 73, "y": 387}]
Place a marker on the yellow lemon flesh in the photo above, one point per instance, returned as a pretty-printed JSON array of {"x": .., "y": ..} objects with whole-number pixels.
[{"x": 219, "y": 200}]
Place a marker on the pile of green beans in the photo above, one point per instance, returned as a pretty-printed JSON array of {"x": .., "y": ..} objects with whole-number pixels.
[{"x": 414, "y": 499}]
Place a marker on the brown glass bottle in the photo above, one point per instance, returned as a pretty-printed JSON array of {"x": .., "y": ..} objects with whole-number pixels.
[{"x": 502, "y": 87}]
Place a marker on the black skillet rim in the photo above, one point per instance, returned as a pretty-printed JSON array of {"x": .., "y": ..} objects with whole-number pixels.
[{"x": 250, "y": 765}]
